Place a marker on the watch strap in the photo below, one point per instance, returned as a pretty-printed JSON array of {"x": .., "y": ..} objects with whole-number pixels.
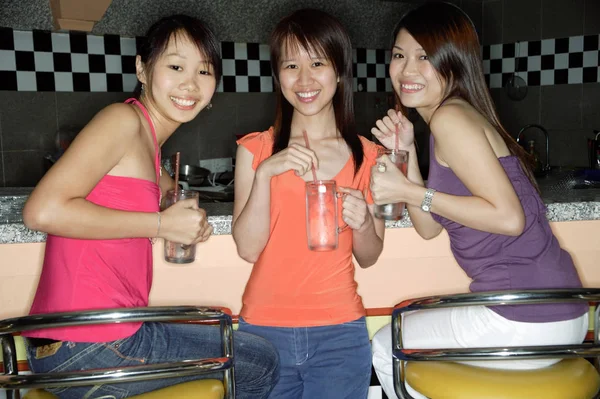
[{"x": 426, "y": 204}]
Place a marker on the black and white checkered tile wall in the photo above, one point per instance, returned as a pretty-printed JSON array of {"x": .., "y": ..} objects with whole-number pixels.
[
  {"x": 44, "y": 61},
  {"x": 568, "y": 60},
  {"x": 246, "y": 67},
  {"x": 53, "y": 61},
  {"x": 371, "y": 70}
]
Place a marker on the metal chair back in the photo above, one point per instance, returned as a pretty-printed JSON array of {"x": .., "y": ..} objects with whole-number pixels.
[
  {"x": 12, "y": 381},
  {"x": 497, "y": 298}
]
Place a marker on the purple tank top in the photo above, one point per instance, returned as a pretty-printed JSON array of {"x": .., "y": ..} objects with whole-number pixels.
[{"x": 533, "y": 260}]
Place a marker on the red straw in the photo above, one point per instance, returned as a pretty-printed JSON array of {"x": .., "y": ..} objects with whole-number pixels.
[
  {"x": 176, "y": 172},
  {"x": 314, "y": 173}
]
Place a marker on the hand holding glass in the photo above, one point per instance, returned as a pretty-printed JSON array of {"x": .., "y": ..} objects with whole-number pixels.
[
  {"x": 176, "y": 252},
  {"x": 392, "y": 211}
]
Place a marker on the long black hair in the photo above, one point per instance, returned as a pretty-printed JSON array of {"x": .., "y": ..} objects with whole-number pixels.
[
  {"x": 317, "y": 31},
  {"x": 450, "y": 41}
]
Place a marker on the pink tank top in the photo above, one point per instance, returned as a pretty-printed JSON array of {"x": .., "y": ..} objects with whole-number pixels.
[{"x": 81, "y": 274}]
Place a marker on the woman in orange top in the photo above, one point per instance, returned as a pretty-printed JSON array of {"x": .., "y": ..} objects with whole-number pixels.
[{"x": 305, "y": 302}]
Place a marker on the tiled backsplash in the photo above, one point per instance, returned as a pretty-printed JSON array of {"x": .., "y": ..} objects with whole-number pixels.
[
  {"x": 56, "y": 81},
  {"x": 568, "y": 60},
  {"x": 67, "y": 62}
]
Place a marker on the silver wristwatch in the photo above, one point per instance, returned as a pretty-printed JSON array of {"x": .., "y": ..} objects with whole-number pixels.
[{"x": 426, "y": 204}]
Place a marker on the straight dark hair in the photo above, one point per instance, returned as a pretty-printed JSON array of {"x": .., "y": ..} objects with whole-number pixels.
[
  {"x": 157, "y": 39},
  {"x": 450, "y": 41},
  {"x": 317, "y": 32}
]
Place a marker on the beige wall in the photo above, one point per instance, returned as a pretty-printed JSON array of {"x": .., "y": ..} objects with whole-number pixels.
[{"x": 408, "y": 267}]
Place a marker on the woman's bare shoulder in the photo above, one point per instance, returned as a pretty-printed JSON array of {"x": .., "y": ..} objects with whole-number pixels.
[
  {"x": 123, "y": 113},
  {"x": 115, "y": 120},
  {"x": 455, "y": 114}
]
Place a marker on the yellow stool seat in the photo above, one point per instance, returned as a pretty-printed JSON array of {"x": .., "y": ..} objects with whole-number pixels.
[
  {"x": 567, "y": 379},
  {"x": 199, "y": 389}
]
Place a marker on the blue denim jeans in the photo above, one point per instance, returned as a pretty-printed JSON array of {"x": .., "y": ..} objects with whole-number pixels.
[
  {"x": 256, "y": 360},
  {"x": 328, "y": 362}
]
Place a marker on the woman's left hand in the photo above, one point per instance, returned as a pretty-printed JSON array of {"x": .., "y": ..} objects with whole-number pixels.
[
  {"x": 354, "y": 208},
  {"x": 388, "y": 183}
]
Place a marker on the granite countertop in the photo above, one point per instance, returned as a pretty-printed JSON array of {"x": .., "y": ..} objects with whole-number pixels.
[{"x": 563, "y": 205}]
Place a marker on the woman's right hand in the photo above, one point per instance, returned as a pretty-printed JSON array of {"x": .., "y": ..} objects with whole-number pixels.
[
  {"x": 385, "y": 130},
  {"x": 295, "y": 157},
  {"x": 185, "y": 223}
]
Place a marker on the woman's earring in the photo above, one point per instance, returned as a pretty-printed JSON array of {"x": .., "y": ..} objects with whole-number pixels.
[
  {"x": 209, "y": 106},
  {"x": 338, "y": 79},
  {"x": 143, "y": 88}
]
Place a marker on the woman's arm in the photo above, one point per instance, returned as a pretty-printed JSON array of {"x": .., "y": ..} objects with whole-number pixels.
[
  {"x": 367, "y": 231},
  {"x": 424, "y": 224},
  {"x": 252, "y": 203},
  {"x": 367, "y": 242},
  {"x": 385, "y": 187},
  {"x": 462, "y": 144},
  {"x": 251, "y": 207},
  {"x": 58, "y": 205}
]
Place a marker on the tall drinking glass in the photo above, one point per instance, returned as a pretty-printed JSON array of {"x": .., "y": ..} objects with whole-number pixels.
[
  {"x": 322, "y": 228},
  {"x": 177, "y": 252},
  {"x": 393, "y": 211}
]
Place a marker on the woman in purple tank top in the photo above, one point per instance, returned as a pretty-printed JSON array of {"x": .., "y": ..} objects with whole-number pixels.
[
  {"x": 100, "y": 205},
  {"x": 480, "y": 189}
]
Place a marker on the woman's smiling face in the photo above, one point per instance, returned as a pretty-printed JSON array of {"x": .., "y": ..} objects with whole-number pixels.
[
  {"x": 182, "y": 81},
  {"x": 414, "y": 78},
  {"x": 308, "y": 80}
]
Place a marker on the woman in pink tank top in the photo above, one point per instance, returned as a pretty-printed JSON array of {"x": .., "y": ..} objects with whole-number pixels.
[{"x": 100, "y": 207}]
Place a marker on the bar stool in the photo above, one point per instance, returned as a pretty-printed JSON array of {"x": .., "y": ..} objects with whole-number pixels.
[
  {"x": 434, "y": 373},
  {"x": 12, "y": 381}
]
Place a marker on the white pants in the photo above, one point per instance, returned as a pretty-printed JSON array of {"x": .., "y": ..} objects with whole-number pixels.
[{"x": 474, "y": 326}]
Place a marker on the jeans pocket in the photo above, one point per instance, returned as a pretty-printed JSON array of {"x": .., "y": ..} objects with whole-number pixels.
[
  {"x": 68, "y": 357},
  {"x": 124, "y": 349}
]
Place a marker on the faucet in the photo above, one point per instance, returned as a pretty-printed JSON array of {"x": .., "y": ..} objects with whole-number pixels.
[{"x": 545, "y": 168}]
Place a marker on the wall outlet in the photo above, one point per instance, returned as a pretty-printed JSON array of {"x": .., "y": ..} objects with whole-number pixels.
[{"x": 217, "y": 165}]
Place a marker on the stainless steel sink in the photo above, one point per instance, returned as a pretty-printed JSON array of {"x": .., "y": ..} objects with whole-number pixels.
[
  {"x": 570, "y": 185},
  {"x": 559, "y": 179}
]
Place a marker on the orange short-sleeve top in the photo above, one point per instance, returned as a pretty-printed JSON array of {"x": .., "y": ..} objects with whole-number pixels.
[{"x": 290, "y": 285}]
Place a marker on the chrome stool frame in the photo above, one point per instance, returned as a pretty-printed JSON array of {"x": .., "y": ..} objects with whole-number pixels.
[
  {"x": 497, "y": 298},
  {"x": 13, "y": 382}
]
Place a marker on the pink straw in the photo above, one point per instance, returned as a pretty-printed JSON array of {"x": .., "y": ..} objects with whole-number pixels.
[
  {"x": 314, "y": 172},
  {"x": 176, "y": 173},
  {"x": 397, "y": 137}
]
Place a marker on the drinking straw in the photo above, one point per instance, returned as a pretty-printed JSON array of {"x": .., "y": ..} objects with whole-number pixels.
[
  {"x": 177, "y": 157},
  {"x": 314, "y": 172}
]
